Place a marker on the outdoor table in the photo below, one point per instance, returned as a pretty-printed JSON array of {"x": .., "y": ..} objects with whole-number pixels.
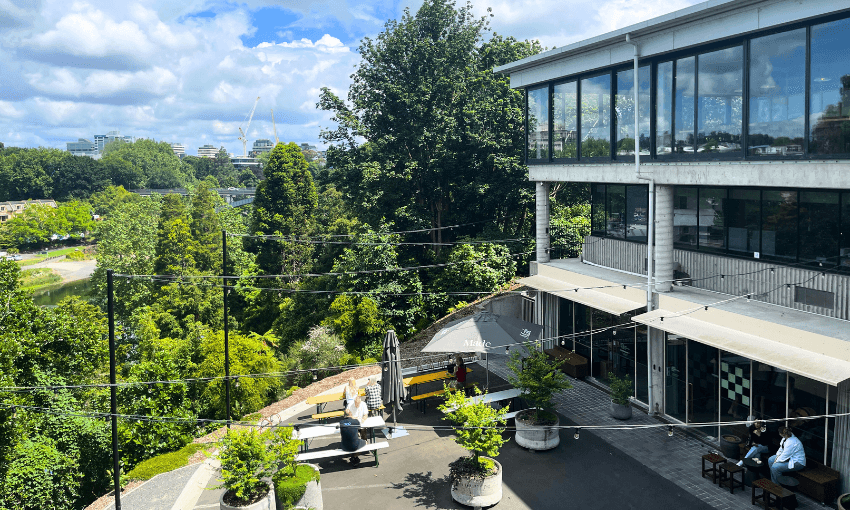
[
  {"x": 322, "y": 400},
  {"x": 493, "y": 397},
  {"x": 754, "y": 470},
  {"x": 305, "y": 434},
  {"x": 416, "y": 380}
]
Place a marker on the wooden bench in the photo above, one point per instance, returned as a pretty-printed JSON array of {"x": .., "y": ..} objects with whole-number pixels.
[
  {"x": 438, "y": 393},
  {"x": 817, "y": 481},
  {"x": 321, "y": 400},
  {"x": 572, "y": 364},
  {"x": 330, "y": 454},
  {"x": 333, "y": 414},
  {"x": 772, "y": 495}
]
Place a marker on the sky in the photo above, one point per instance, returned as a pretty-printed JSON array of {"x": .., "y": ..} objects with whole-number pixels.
[{"x": 190, "y": 71}]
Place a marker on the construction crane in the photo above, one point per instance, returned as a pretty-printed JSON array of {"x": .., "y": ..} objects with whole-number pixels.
[
  {"x": 244, "y": 138},
  {"x": 275, "y": 130}
]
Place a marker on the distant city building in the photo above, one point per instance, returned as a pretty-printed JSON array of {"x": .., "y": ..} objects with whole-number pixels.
[
  {"x": 307, "y": 147},
  {"x": 179, "y": 150},
  {"x": 260, "y": 146},
  {"x": 101, "y": 140},
  {"x": 207, "y": 151},
  {"x": 8, "y": 210},
  {"x": 242, "y": 162},
  {"x": 83, "y": 147}
]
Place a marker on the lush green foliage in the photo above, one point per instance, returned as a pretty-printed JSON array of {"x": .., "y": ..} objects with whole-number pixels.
[
  {"x": 246, "y": 463},
  {"x": 290, "y": 489},
  {"x": 538, "y": 377},
  {"x": 473, "y": 420},
  {"x": 41, "y": 224},
  {"x": 39, "y": 476},
  {"x": 621, "y": 389},
  {"x": 320, "y": 349},
  {"x": 165, "y": 462}
]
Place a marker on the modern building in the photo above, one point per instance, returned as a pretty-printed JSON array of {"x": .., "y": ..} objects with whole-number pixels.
[
  {"x": 260, "y": 146},
  {"x": 83, "y": 147},
  {"x": 241, "y": 162},
  {"x": 8, "y": 210},
  {"x": 179, "y": 150},
  {"x": 207, "y": 151},
  {"x": 731, "y": 188},
  {"x": 111, "y": 136}
]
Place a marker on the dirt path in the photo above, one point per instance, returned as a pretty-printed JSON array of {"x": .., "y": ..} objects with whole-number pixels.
[{"x": 69, "y": 270}]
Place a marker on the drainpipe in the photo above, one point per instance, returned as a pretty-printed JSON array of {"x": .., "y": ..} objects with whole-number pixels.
[{"x": 650, "y": 234}]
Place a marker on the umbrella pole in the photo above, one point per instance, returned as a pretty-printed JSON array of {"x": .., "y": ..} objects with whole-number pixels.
[{"x": 488, "y": 370}]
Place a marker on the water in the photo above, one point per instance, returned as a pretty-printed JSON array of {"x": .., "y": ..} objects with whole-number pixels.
[{"x": 51, "y": 296}]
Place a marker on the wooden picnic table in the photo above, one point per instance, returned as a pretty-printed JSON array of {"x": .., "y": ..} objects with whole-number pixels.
[
  {"x": 426, "y": 378},
  {"x": 305, "y": 433},
  {"x": 494, "y": 397},
  {"x": 321, "y": 400}
]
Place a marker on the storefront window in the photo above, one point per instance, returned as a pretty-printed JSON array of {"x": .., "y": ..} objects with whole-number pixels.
[
  {"x": 829, "y": 118},
  {"x": 538, "y": 123},
  {"x": 596, "y": 117},
  {"x": 675, "y": 387},
  {"x": 819, "y": 227},
  {"x": 807, "y": 397},
  {"x": 684, "y": 106},
  {"x": 597, "y": 209},
  {"x": 685, "y": 217},
  {"x": 601, "y": 345},
  {"x": 777, "y": 94},
  {"x": 616, "y": 210},
  {"x": 779, "y": 224},
  {"x": 702, "y": 386},
  {"x": 637, "y": 212},
  {"x": 565, "y": 324},
  {"x": 845, "y": 230},
  {"x": 744, "y": 209},
  {"x": 625, "y": 112},
  {"x": 735, "y": 391},
  {"x": 664, "y": 109},
  {"x": 583, "y": 321},
  {"x": 769, "y": 386},
  {"x": 641, "y": 370},
  {"x": 565, "y": 132},
  {"x": 721, "y": 78},
  {"x": 712, "y": 227}
]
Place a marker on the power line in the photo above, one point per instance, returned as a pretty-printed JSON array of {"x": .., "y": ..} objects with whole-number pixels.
[{"x": 399, "y": 232}]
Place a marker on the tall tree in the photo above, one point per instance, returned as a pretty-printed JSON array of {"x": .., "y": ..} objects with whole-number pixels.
[
  {"x": 175, "y": 247},
  {"x": 206, "y": 228},
  {"x": 443, "y": 134}
]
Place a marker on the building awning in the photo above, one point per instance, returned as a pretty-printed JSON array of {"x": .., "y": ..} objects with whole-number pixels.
[
  {"x": 817, "y": 357},
  {"x": 611, "y": 297}
]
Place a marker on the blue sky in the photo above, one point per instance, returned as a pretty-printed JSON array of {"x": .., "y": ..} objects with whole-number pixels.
[{"x": 189, "y": 71}]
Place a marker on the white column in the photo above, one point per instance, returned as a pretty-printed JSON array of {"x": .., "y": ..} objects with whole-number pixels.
[
  {"x": 663, "y": 237},
  {"x": 542, "y": 213}
]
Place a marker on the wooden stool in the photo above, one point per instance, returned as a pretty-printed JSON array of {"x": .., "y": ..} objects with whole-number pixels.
[
  {"x": 772, "y": 495},
  {"x": 714, "y": 460},
  {"x": 727, "y": 476}
]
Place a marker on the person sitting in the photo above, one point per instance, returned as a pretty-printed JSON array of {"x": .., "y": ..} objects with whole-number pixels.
[
  {"x": 789, "y": 457},
  {"x": 459, "y": 373},
  {"x": 349, "y": 393},
  {"x": 359, "y": 412},
  {"x": 373, "y": 396},
  {"x": 349, "y": 429}
]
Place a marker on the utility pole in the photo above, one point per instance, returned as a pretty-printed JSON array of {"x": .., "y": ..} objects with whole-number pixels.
[
  {"x": 226, "y": 343},
  {"x": 113, "y": 401}
]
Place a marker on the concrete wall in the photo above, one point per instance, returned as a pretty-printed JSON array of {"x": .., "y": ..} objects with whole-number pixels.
[
  {"x": 630, "y": 257},
  {"x": 793, "y": 174},
  {"x": 671, "y": 32}
]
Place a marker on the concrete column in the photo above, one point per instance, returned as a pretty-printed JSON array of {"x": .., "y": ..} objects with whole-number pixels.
[
  {"x": 542, "y": 212},
  {"x": 656, "y": 370},
  {"x": 663, "y": 237}
]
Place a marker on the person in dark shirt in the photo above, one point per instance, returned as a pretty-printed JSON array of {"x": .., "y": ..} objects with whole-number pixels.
[
  {"x": 349, "y": 435},
  {"x": 459, "y": 372}
]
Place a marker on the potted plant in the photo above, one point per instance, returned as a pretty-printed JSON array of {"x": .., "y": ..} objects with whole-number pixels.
[
  {"x": 539, "y": 378},
  {"x": 621, "y": 391},
  {"x": 295, "y": 485},
  {"x": 476, "y": 480},
  {"x": 246, "y": 467}
]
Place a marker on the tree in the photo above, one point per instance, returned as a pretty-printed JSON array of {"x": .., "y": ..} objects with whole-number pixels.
[
  {"x": 156, "y": 162},
  {"x": 443, "y": 134},
  {"x": 175, "y": 246},
  {"x": 33, "y": 226},
  {"x": 206, "y": 228},
  {"x": 111, "y": 199}
]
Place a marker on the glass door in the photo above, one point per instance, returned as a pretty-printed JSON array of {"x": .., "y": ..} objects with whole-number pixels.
[
  {"x": 675, "y": 388},
  {"x": 702, "y": 386}
]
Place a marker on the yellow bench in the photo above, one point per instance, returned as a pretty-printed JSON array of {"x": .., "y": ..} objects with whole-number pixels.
[
  {"x": 320, "y": 400},
  {"x": 439, "y": 393},
  {"x": 333, "y": 414}
]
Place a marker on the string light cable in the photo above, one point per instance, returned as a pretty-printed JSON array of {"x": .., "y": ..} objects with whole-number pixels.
[{"x": 399, "y": 232}]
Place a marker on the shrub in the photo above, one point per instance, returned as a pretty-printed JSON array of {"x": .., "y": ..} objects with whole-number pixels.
[
  {"x": 245, "y": 464},
  {"x": 474, "y": 432},
  {"x": 621, "y": 389},
  {"x": 321, "y": 349},
  {"x": 38, "y": 475},
  {"x": 538, "y": 377},
  {"x": 76, "y": 255},
  {"x": 289, "y": 489},
  {"x": 165, "y": 462}
]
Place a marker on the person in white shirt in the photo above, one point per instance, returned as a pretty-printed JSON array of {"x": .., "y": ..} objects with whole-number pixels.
[
  {"x": 359, "y": 412},
  {"x": 349, "y": 393},
  {"x": 789, "y": 457}
]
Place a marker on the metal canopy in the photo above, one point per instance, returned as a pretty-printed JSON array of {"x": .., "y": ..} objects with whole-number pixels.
[{"x": 606, "y": 300}]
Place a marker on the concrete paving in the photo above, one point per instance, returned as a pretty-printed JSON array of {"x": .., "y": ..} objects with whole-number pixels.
[{"x": 160, "y": 492}]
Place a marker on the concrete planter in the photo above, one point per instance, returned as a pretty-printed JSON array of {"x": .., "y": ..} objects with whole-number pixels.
[
  {"x": 478, "y": 492},
  {"x": 267, "y": 503},
  {"x": 729, "y": 446},
  {"x": 536, "y": 437},
  {"x": 842, "y": 506},
  {"x": 312, "y": 497},
  {"x": 620, "y": 412}
]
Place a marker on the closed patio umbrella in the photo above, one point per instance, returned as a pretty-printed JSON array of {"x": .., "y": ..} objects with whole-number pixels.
[
  {"x": 393, "y": 391},
  {"x": 484, "y": 332}
]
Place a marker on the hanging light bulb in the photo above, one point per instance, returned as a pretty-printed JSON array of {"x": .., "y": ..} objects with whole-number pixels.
[
  {"x": 670, "y": 430},
  {"x": 575, "y": 436},
  {"x": 823, "y": 275},
  {"x": 749, "y": 297},
  {"x": 772, "y": 270},
  {"x": 562, "y": 341},
  {"x": 662, "y": 319},
  {"x": 315, "y": 377},
  {"x": 614, "y": 332},
  {"x": 507, "y": 350},
  {"x": 237, "y": 381},
  {"x": 706, "y": 308},
  {"x": 721, "y": 277},
  {"x": 763, "y": 427}
]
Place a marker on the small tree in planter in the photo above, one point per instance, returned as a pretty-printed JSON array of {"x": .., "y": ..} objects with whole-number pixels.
[
  {"x": 621, "y": 390},
  {"x": 291, "y": 480},
  {"x": 476, "y": 480},
  {"x": 246, "y": 465},
  {"x": 539, "y": 378}
]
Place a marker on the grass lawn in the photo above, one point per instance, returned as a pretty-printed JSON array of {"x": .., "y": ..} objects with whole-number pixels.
[
  {"x": 32, "y": 279},
  {"x": 165, "y": 462}
]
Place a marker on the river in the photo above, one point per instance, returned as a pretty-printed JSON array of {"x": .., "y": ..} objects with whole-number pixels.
[{"x": 51, "y": 296}]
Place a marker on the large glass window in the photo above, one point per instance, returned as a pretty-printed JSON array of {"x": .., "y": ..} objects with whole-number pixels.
[
  {"x": 583, "y": 325},
  {"x": 664, "y": 109},
  {"x": 538, "y": 123},
  {"x": 565, "y": 130},
  {"x": 597, "y": 209},
  {"x": 596, "y": 117},
  {"x": 702, "y": 386},
  {"x": 819, "y": 227},
  {"x": 637, "y": 212},
  {"x": 624, "y": 111},
  {"x": 735, "y": 391},
  {"x": 712, "y": 226},
  {"x": 777, "y": 94},
  {"x": 829, "y": 120},
  {"x": 720, "y": 87},
  {"x": 779, "y": 224},
  {"x": 685, "y": 217},
  {"x": 616, "y": 210},
  {"x": 642, "y": 370},
  {"x": 845, "y": 230},
  {"x": 744, "y": 209},
  {"x": 684, "y": 106},
  {"x": 807, "y": 397}
]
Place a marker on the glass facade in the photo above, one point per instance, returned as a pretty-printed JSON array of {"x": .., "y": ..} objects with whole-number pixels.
[
  {"x": 782, "y": 225},
  {"x": 707, "y": 104}
]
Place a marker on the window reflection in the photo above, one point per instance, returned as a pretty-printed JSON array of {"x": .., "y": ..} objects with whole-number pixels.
[
  {"x": 744, "y": 210},
  {"x": 779, "y": 224},
  {"x": 819, "y": 233},
  {"x": 845, "y": 230},
  {"x": 538, "y": 123},
  {"x": 596, "y": 117},
  {"x": 616, "y": 209},
  {"x": 664, "y": 109},
  {"x": 721, "y": 77},
  {"x": 684, "y": 106},
  {"x": 685, "y": 217},
  {"x": 637, "y": 211},
  {"x": 807, "y": 397},
  {"x": 564, "y": 99},
  {"x": 830, "y": 88},
  {"x": 712, "y": 227},
  {"x": 777, "y": 94},
  {"x": 625, "y": 111},
  {"x": 597, "y": 205}
]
